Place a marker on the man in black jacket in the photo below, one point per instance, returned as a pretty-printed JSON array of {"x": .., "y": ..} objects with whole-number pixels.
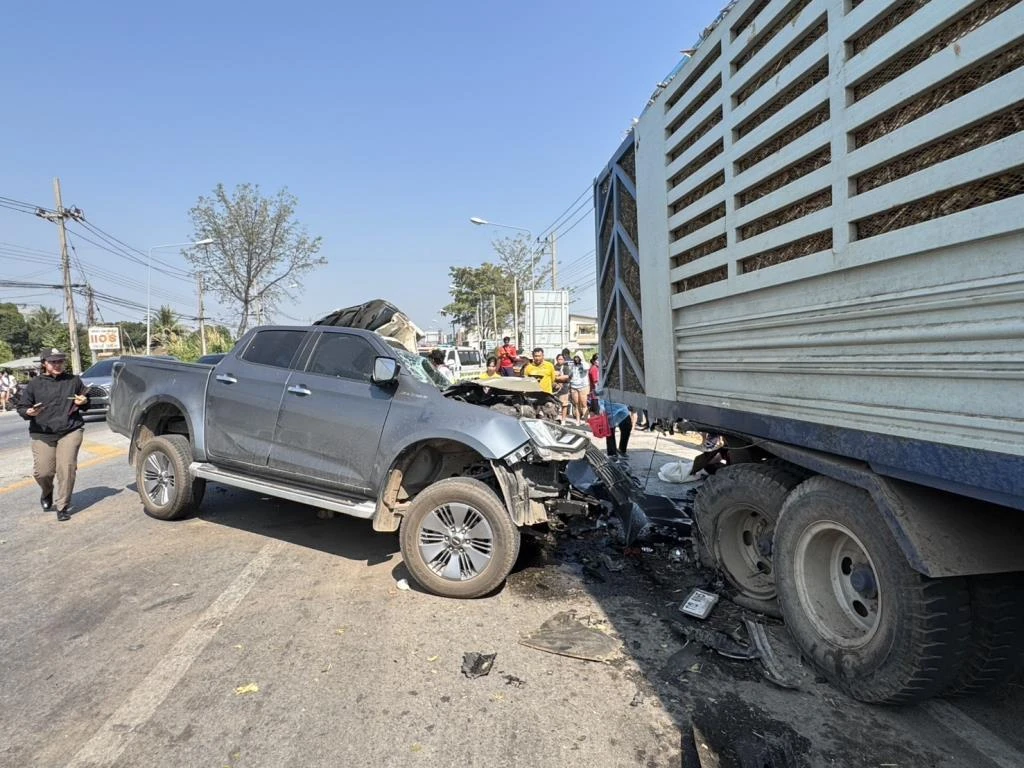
[{"x": 52, "y": 403}]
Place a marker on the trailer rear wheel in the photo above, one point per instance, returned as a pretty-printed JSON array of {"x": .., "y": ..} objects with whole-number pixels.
[
  {"x": 996, "y": 651},
  {"x": 872, "y": 625},
  {"x": 736, "y": 511}
]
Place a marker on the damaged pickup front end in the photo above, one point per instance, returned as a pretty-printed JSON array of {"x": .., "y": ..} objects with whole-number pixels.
[{"x": 559, "y": 472}]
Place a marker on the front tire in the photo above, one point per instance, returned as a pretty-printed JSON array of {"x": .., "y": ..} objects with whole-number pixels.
[
  {"x": 458, "y": 540},
  {"x": 872, "y": 625},
  {"x": 162, "y": 477}
]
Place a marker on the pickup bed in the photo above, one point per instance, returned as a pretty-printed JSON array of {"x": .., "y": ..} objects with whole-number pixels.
[{"x": 343, "y": 420}]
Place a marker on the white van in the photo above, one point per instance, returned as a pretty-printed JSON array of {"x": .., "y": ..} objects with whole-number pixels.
[{"x": 463, "y": 362}]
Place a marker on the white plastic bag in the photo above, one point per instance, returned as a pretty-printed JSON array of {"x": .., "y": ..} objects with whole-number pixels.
[{"x": 676, "y": 472}]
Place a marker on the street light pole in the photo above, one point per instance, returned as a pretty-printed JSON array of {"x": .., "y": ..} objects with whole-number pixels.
[
  {"x": 533, "y": 281},
  {"x": 149, "y": 285}
]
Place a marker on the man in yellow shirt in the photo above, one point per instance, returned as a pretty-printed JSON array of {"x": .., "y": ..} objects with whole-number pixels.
[{"x": 541, "y": 370}]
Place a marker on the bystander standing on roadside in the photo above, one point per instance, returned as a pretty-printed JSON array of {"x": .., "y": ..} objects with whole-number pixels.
[
  {"x": 7, "y": 388},
  {"x": 52, "y": 403},
  {"x": 542, "y": 370},
  {"x": 579, "y": 388},
  {"x": 507, "y": 356},
  {"x": 492, "y": 369},
  {"x": 437, "y": 358},
  {"x": 563, "y": 372},
  {"x": 594, "y": 377}
]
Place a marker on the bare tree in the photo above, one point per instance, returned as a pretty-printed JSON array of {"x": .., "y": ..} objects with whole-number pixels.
[{"x": 259, "y": 251}]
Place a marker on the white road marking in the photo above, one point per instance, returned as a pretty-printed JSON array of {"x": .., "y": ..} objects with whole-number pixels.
[
  {"x": 974, "y": 733},
  {"x": 120, "y": 728}
]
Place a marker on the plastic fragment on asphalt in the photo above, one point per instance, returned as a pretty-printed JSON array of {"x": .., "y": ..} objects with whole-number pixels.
[
  {"x": 433, "y": 658},
  {"x": 565, "y": 635},
  {"x": 402, "y": 584},
  {"x": 612, "y": 565},
  {"x": 250, "y": 688},
  {"x": 477, "y": 664},
  {"x": 699, "y": 603},
  {"x": 773, "y": 671}
]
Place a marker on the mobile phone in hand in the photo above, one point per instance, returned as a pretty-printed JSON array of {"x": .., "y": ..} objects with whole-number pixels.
[{"x": 38, "y": 405}]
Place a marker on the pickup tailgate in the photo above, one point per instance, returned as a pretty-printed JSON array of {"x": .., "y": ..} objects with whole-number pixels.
[{"x": 140, "y": 383}]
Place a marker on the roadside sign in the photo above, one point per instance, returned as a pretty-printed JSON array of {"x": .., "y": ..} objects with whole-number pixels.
[{"x": 105, "y": 339}]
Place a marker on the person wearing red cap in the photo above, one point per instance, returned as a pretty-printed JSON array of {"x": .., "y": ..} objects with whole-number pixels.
[{"x": 52, "y": 403}]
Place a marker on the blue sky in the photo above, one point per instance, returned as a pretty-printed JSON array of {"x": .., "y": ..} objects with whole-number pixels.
[{"x": 392, "y": 124}]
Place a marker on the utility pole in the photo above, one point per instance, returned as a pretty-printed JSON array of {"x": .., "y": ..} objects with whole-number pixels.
[
  {"x": 202, "y": 318},
  {"x": 494, "y": 316},
  {"x": 58, "y": 217},
  {"x": 554, "y": 261},
  {"x": 515, "y": 307},
  {"x": 90, "y": 306}
]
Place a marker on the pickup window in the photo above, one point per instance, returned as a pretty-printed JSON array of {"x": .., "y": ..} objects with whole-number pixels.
[
  {"x": 344, "y": 356},
  {"x": 275, "y": 348}
]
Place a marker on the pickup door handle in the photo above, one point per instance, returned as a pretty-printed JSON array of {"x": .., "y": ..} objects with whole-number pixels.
[
  {"x": 299, "y": 389},
  {"x": 227, "y": 378}
]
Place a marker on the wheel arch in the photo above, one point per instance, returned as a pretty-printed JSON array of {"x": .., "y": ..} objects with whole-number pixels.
[
  {"x": 940, "y": 533},
  {"x": 422, "y": 463},
  {"x": 160, "y": 417}
]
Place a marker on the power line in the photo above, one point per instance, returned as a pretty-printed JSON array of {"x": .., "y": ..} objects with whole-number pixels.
[
  {"x": 573, "y": 225},
  {"x": 553, "y": 225}
]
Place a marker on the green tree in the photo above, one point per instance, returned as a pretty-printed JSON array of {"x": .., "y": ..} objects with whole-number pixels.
[
  {"x": 166, "y": 328},
  {"x": 6, "y": 353},
  {"x": 14, "y": 330},
  {"x": 473, "y": 287},
  {"x": 259, "y": 253},
  {"x": 133, "y": 336},
  {"x": 46, "y": 329}
]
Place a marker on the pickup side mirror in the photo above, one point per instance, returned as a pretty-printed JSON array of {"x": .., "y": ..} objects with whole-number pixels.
[{"x": 385, "y": 370}]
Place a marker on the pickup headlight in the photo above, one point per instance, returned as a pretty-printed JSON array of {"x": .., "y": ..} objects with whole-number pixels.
[{"x": 551, "y": 436}]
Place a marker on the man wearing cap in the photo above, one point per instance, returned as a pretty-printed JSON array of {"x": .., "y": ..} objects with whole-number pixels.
[{"x": 52, "y": 403}]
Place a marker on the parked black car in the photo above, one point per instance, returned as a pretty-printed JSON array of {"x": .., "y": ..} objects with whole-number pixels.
[{"x": 98, "y": 379}]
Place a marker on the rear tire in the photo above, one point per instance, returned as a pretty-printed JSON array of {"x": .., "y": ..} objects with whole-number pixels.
[
  {"x": 457, "y": 539},
  {"x": 162, "y": 477},
  {"x": 873, "y": 626},
  {"x": 996, "y": 651},
  {"x": 736, "y": 511}
]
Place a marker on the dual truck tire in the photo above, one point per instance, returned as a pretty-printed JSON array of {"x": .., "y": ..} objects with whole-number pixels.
[{"x": 867, "y": 621}]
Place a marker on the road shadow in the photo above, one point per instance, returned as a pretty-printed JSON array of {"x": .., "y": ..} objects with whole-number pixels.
[
  {"x": 88, "y": 497},
  {"x": 299, "y": 524}
]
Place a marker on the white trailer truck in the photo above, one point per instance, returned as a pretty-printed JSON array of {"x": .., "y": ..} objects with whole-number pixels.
[{"x": 812, "y": 243}]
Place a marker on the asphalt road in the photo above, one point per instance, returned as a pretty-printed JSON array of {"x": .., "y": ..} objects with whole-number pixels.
[{"x": 258, "y": 634}]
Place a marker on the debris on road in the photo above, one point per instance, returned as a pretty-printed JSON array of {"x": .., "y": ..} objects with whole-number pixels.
[
  {"x": 612, "y": 565},
  {"x": 402, "y": 584},
  {"x": 699, "y": 603},
  {"x": 477, "y": 664},
  {"x": 565, "y": 635},
  {"x": 514, "y": 681},
  {"x": 250, "y": 688},
  {"x": 676, "y": 472},
  {"x": 773, "y": 670},
  {"x": 717, "y": 641}
]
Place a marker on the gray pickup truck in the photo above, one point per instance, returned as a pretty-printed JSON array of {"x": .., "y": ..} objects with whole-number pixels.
[{"x": 342, "y": 420}]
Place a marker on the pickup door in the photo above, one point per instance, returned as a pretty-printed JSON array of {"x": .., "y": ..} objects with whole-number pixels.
[
  {"x": 244, "y": 396},
  {"x": 332, "y": 415}
]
